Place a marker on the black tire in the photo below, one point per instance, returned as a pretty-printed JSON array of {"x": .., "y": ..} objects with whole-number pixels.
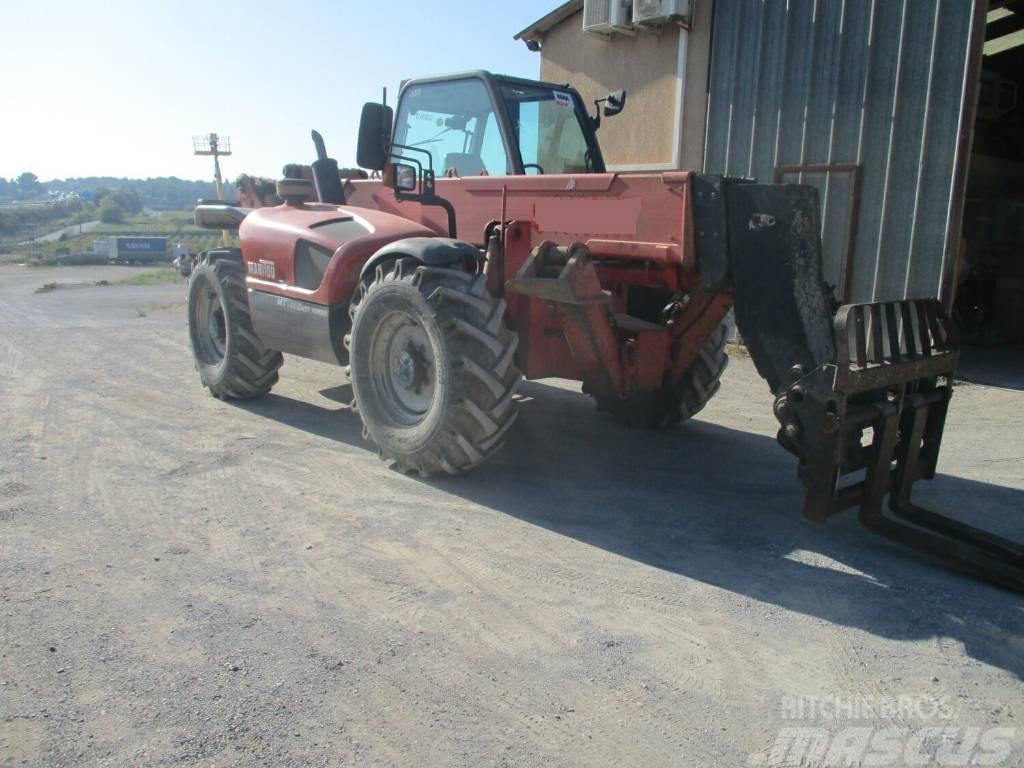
[
  {"x": 232, "y": 361},
  {"x": 431, "y": 364},
  {"x": 670, "y": 405}
]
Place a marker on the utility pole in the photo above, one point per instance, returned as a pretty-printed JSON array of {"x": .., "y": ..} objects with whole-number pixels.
[{"x": 218, "y": 146}]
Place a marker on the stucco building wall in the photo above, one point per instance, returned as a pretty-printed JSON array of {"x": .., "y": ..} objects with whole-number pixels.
[
  {"x": 665, "y": 75},
  {"x": 644, "y": 64}
]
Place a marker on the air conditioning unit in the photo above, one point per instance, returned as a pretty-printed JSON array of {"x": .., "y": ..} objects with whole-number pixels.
[
  {"x": 602, "y": 17},
  {"x": 661, "y": 11}
]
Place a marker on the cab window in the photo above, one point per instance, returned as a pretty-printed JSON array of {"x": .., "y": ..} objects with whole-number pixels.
[
  {"x": 454, "y": 122},
  {"x": 547, "y": 128}
]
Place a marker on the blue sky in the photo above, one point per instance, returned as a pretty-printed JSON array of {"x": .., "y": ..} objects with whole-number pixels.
[{"x": 119, "y": 87}]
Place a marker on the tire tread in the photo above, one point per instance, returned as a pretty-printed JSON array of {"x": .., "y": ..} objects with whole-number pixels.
[
  {"x": 483, "y": 375},
  {"x": 251, "y": 369}
]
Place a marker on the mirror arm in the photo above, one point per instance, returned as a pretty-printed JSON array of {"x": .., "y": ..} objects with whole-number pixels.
[
  {"x": 385, "y": 130},
  {"x": 425, "y": 192},
  {"x": 595, "y": 120},
  {"x": 432, "y": 198}
]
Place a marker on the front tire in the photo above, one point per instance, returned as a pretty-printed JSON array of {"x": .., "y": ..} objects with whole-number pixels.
[
  {"x": 231, "y": 359},
  {"x": 431, "y": 364}
]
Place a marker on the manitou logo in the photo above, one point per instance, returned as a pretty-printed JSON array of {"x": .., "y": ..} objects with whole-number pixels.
[{"x": 261, "y": 268}]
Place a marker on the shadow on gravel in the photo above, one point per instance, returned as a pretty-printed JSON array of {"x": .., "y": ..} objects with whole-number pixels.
[
  {"x": 722, "y": 506},
  {"x": 338, "y": 424}
]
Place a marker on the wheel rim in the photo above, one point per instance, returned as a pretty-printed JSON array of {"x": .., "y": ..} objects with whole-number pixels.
[
  {"x": 403, "y": 369},
  {"x": 211, "y": 327}
]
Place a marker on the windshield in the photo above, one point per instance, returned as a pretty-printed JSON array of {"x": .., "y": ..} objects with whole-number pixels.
[
  {"x": 546, "y": 125},
  {"x": 452, "y": 127},
  {"x": 454, "y": 122}
]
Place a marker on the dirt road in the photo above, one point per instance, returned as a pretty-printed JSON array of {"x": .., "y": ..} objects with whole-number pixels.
[
  {"x": 189, "y": 582},
  {"x": 73, "y": 229}
]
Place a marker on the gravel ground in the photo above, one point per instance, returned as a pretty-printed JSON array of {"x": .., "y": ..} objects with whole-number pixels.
[{"x": 190, "y": 582}]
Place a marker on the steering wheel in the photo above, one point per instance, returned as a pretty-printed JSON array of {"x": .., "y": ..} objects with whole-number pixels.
[{"x": 533, "y": 165}]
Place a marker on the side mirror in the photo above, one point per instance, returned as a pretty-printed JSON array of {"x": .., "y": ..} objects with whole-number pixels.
[
  {"x": 405, "y": 177},
  {"x": 614, "y": 103},
  {"x": 374, "y": 133}
]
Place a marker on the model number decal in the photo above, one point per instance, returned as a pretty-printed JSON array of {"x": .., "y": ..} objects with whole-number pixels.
[
  {"x": 301, "y": 306},
  {"x": 262, "y": 268}
]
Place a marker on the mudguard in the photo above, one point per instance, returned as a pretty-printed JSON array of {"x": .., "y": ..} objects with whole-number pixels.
[{"x": 430, "y": 251}]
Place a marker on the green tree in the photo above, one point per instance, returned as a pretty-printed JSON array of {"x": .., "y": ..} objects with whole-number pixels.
[
  {"x": 111, "y": 212},
  {"x": 27, "y": 186},
  {"x": 128, "y": 200}
]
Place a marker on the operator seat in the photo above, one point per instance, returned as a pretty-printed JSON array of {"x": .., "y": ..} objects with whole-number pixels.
[{"x": 464, "y": 164}]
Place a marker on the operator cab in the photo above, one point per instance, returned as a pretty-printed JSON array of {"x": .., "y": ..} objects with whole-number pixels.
[
  {"x": 476, "y": 123},
  {"x": 479, "y": 124}
]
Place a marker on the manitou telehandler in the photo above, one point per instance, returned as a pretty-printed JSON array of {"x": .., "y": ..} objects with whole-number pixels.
[{"x": 496, "y": 245}]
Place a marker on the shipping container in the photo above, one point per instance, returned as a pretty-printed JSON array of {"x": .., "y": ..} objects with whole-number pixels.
[{"x": 129, "y": 250}]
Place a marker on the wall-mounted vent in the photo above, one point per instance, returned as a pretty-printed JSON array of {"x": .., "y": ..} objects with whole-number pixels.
[
  {"x": 603, "y": 17},
  {"x": 661, "y": 11}
]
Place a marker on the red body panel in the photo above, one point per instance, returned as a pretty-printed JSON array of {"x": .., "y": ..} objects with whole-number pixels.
[
  {"x": 637, "y": 228},
  {"x": 639, "y": 220},
  {"x": 269, "y": 237}
]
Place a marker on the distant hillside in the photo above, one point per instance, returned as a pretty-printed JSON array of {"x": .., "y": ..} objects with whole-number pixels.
[
  {"x": 30, "y": 208},
  {"x": 164, "y": 193}
]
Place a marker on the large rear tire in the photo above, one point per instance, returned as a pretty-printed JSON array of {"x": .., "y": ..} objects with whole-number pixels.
[
  {"x": 231, "y": 360},
  {"x": 431, "y": 367},
  {"x": 670, "y": 405}
]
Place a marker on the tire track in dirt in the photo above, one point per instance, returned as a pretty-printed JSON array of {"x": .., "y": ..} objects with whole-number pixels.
[
  {"x": 541, "y": 616},
  {"x": 669, "y": 618}
]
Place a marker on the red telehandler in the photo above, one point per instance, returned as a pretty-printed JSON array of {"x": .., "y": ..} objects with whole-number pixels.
[{"x": 496, "y": 245}]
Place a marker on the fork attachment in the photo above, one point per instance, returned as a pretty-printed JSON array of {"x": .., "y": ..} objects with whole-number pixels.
[
  {"x": 861, "y": 390},
  {"x": 882, "y": 416}
]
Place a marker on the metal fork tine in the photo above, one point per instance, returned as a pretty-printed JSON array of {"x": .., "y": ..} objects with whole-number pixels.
[
  {"x": 938, "y": 332},
  {"x": 860, "y": 339},
  {"x": 908, "y": 329},
  {"x": 876, "y": 332},
  {"x": 922, "y": 328},
  {"x": 894, "y": 332}
]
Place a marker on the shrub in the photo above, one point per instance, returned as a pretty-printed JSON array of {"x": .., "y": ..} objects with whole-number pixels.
[{"x": 111, "y": 212}]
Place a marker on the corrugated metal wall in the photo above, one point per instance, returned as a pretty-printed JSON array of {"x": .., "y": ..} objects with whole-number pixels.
[{"x": 880, "y": 83}]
